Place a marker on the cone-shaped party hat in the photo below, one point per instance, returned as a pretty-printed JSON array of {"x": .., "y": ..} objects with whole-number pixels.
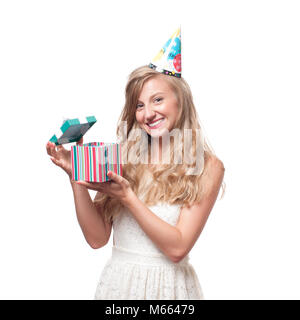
[{"x": 168, "y": 60}]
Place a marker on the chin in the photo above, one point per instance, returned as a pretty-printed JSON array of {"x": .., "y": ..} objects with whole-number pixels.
[{"x": 158, "y": 132}]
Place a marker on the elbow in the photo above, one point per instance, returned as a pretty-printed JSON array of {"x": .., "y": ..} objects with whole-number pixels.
[
  {"x": 177, "y": 259},
  {"x": 96, "y": 244},
  {"x": 177, "y": 256}
]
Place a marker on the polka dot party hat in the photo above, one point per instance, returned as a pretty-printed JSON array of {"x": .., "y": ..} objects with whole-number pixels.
[{"x": 168, "y": 59}]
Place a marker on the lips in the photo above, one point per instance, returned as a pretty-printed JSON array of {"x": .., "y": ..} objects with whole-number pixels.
[{"x": 156, "y": 122}]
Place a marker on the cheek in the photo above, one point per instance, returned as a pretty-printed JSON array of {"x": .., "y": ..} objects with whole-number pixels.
[
  {"x": 174, "y": 115},
  {"x": 138, "y": 117},
  {"x": 172, "y": 111}
]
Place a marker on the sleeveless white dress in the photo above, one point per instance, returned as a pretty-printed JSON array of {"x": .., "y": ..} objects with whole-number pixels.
[{"x": 138, "y": 270}]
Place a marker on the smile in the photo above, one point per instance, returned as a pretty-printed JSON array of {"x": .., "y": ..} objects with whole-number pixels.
[{"x": 155, "y": 124}]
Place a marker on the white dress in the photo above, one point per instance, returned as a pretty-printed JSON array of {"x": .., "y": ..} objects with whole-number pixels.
[{"x": 138, "y": 270}]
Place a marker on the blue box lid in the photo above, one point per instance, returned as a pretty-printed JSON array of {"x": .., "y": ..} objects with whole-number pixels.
[{"x": 72, "y": 130}]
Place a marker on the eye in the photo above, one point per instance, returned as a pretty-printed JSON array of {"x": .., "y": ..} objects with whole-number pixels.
[
  {"x": 158, "y": 99},
  {"x": 139, "y": 105}
]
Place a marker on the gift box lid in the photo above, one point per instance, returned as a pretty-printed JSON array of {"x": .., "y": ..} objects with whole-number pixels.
[{"x": 72, "y": 130}]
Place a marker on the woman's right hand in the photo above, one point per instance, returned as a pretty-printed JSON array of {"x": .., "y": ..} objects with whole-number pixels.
[{"x": 60, "y": 156}]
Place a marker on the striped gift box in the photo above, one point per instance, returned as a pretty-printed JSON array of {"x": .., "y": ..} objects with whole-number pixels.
[
  {"x": 92, "y": 161},
  {"x": 72, "y": 130}
]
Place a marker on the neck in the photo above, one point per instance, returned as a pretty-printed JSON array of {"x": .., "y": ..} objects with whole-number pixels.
[{"x": 156, "y": 157}]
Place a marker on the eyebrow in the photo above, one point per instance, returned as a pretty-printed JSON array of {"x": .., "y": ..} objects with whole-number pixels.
[{"x": 158, "y": 92}]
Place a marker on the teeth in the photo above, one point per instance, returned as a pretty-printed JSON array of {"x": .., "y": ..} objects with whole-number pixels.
[{"x": 155, "y": 123}]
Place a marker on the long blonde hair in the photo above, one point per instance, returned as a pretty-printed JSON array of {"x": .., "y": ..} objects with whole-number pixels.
[{"x": 165, "y": 182}]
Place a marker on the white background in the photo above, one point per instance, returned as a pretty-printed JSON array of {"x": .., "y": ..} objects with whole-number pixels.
[{"x": 72, "y": 58}]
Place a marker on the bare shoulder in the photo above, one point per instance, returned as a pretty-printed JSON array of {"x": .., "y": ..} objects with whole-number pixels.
[
  {"x": 214, "y": 164},
  {"x": 213, "y": 173}
]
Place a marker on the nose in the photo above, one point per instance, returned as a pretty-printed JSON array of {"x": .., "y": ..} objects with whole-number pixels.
[{"x": 149, "y": 113}]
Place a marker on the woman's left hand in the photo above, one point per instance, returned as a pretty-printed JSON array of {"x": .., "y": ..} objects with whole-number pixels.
[{"x": 118, "y": 187}]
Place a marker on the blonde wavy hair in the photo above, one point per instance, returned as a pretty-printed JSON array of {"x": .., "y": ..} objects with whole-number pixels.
[{"x": 164, "y": 182}]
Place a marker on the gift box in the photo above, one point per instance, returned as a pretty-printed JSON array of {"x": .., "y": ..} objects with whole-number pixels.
[
  {"x": 72, "y": 130},
  {"x": 92, "y": 161}
]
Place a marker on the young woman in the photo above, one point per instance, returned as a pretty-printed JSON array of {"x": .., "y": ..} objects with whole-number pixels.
[{"x": 157, "y": 210}]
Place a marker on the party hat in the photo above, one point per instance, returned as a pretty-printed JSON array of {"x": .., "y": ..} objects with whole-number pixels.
[{"x": 168, "y": 60}]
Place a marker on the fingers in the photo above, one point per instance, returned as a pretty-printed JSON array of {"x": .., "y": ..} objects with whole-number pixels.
[
  {"x": 53, "y": 149},
  {"x": 54, "y": 161},
  {"x": 50, "y": 147},
  {"x": 104, "y": 187},
  {"x": 59, "y": 147},
  {"x": 90, "y": 185},
  {"x": 80, "y": 141},
  {"x": 115, "y": 177}
]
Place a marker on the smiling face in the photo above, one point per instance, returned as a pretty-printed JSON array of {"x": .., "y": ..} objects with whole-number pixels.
[{"x": 157, "y": 107}]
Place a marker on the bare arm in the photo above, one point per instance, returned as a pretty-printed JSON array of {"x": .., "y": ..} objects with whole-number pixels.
[
  {"x": 95, "y": 229},
  {"x": 176, "y": 241}
]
